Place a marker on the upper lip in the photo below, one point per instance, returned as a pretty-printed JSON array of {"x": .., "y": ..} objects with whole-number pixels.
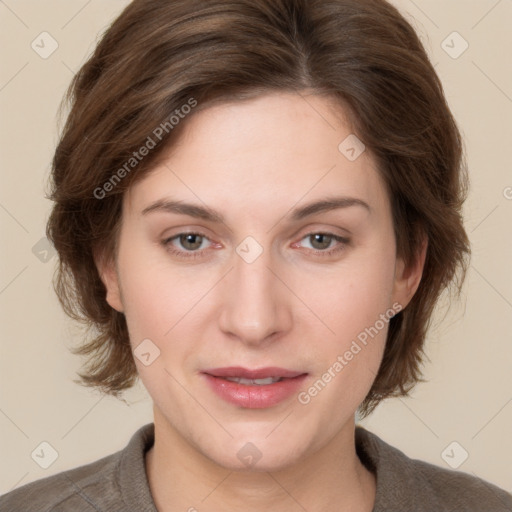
[{"x": 246, "y": 373}]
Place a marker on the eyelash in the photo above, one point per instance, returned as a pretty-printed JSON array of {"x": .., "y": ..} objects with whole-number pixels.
[{"x": 196, "y": 254}]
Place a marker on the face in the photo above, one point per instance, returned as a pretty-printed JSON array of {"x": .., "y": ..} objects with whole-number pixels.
[{"x": 264, "y": 282}]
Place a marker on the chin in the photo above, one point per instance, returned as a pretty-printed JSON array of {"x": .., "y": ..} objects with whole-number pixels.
[{"x": 257, "y": 452}]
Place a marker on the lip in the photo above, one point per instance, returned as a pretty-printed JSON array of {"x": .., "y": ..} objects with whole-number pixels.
[
  {"x": 254, "y": 396},
  {"x": 260, "y": 373}
]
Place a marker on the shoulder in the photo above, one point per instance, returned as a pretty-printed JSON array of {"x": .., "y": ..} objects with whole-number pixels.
[
  {"x": 405, "y": 484},
  {"x": 73, "y": 489},
  {"x": 457, "y": 490},
  {"x": 113, "y": 483}
]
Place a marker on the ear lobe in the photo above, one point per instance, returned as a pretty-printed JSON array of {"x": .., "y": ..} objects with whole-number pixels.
[
  {"x": 408, "y": 279},
  {"x": 108, "y": 275}
]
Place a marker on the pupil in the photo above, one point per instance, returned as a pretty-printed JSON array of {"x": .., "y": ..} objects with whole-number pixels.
[
  {"x": 321, "y": 237},
  {"x": 190, "y": 238}
]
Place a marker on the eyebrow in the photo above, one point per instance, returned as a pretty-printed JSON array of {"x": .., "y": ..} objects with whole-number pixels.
[{"x": 206, "y": 213}]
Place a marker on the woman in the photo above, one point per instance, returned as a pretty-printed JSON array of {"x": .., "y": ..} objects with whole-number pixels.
[{"x": 257, "y": 206}]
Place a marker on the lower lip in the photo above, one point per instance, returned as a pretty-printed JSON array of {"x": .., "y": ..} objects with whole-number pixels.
[{"x": 255, "y": 397}]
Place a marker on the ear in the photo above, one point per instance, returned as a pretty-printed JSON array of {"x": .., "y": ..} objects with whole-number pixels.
[
  {"x": 109, "y": 276},
  {"x": 408, "y": 279}
]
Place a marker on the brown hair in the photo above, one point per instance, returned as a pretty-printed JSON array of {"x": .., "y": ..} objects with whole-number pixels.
[{"x": 159, "y": 56}]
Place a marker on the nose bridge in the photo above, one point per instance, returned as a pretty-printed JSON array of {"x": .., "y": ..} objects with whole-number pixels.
[{"x": 255, "y": 306}]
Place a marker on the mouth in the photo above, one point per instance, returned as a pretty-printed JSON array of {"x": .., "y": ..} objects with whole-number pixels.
[
  {"x": 256, "y": 388},
  {"x": 254, "y": 382},
  {"x": 238, "y": 372}
]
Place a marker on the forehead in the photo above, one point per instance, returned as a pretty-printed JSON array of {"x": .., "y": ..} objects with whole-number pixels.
[{"x": 246, "y": 156}]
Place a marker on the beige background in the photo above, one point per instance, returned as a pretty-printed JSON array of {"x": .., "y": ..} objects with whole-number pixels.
[{"x": 468, "y": 396}]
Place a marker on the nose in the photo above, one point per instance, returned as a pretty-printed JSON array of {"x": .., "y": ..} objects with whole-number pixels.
[{"x": 257, "y": 304}]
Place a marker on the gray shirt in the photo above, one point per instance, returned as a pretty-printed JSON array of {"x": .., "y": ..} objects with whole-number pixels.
[{"x": 118, "y": 483}]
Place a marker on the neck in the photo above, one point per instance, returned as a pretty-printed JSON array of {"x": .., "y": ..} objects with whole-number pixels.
[{"x": 332, "y": 478}]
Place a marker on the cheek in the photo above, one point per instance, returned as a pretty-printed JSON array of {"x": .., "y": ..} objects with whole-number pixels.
[
  {"x": 357, "y": 311},
  {"x": 155, "y": 294},
  {"x": 164, "y": 303},
  {"x": 357, "y": 294},
  {"x": 350, "y": 358},
  {"x": 168, "y": 306}
]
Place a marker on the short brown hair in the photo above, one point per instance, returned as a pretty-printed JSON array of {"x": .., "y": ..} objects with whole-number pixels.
[{"x": 161, "y": 55}]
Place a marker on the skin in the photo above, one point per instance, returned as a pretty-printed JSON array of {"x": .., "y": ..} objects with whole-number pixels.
[{"x": 253, "y": 162}]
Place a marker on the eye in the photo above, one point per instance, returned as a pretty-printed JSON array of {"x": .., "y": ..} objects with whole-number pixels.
[
  {"x": 192, "y": 243},
  {"x": 322, "y": 243}
]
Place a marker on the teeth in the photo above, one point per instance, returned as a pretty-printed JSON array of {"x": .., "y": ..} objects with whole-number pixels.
[{"x": 252, "y": 382}]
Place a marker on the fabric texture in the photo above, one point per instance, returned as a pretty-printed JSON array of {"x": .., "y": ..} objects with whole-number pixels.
[{"x": 118, "y": 483}]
